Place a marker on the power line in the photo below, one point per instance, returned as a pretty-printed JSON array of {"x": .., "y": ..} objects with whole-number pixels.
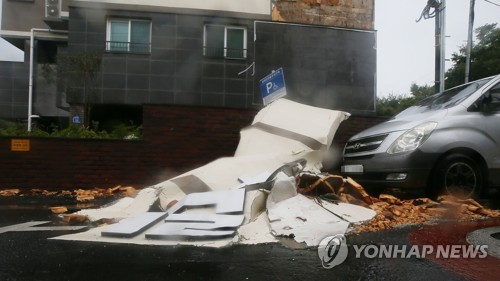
[
  {"x": 436, "y": 9},
  {"x": 493, "y": 3},
  {"x": 430, "y": 10}
]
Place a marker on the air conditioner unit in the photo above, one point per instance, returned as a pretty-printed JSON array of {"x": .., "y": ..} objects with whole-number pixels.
[{"x": 53, "y": 8}]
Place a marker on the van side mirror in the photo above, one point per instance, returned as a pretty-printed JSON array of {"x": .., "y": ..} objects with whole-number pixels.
[{"x": 490, "y": 102}]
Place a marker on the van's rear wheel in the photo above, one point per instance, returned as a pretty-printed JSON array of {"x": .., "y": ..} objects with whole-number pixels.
[{"x": 458, "y": 175}]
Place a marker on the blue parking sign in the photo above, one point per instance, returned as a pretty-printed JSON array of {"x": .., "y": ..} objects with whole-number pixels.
[{"x": 273, "y": 86}]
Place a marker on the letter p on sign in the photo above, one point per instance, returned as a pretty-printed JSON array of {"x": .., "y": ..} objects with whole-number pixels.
[{"x": 269, "y": 86}]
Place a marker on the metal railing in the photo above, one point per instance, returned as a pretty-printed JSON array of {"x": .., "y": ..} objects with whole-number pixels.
[{"x": 128, "y": 47}]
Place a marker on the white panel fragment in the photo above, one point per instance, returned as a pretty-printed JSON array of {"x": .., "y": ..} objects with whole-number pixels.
[
  {"x": 255, "y": 204},
  {"x": 304, "y": 220},
  {"x": 262, "y": 177},
  {"x": 246, "y": 180},
  {"x": 125, "y": 207},
  {"x": 283, "y": 188},
  {"x": 230, "y": 201},
  {"x": 287, "y": 127},
  {"x": 134, "y": 225},
  {"x": 180, "y": 233},
  {"x": 32, "y": 226},
  {"x": 256, "y": 232},
  {"x": 205, "y": 221},
  {"x": 350, "y": 212},
  {"x": 188, "y": 225}
]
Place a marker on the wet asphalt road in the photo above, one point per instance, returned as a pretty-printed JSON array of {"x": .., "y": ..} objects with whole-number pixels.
[{"x": 31, "y": 256}]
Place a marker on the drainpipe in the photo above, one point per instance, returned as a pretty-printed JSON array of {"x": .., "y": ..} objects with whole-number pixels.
[{"x": 30, "y": 91}]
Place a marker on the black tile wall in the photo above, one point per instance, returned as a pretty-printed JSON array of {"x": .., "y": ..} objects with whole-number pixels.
[{"x": 175, "y": 72}]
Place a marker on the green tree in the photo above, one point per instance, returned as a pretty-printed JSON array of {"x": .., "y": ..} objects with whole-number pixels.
[
  {"x": 419, "y": 93},
  {"x": 485, "y": 57},
  {"x": 485, "y": 61},
  {"x": 393, "y": 104},
  {"x": 77, "y": 75}
]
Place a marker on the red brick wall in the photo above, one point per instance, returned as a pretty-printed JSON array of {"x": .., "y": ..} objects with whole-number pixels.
[
  {"x": 357, "y": 14},
  {"x": 191, "y": 136},
  {"x": 176, "y": 139}
]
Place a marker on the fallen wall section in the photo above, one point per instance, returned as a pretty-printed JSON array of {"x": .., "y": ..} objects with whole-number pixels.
[{"x": 256, "y": 187}]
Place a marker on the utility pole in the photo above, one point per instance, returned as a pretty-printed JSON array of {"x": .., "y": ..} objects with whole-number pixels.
[
  {"x": 442, "y": 37},
  {"x": 436, "y": 9},
  {"x": 437, "y": 51},
  {"x": 440, "y": 46},
  {"x": 469, "y": 41}
]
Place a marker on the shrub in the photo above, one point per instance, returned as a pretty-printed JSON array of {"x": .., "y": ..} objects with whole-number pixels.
[{"x": 120, "y": 131}]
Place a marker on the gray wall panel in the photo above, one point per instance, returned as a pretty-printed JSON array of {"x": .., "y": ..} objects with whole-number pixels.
[
  {"x": 113, "y": 96},
  {"x": 211, "y": 85},
  {"x": 112, "y": 64},
  {"x": 162, "y": 67},
  {"x": 138, "y": 66},
  {"x": 187, "y": 98},
  {"x": 163, "y": 83},
  {"x": 114, "y": 81},
  {"x": 176, "y": 65},
  {"x": 137, "y": 97},
  {"x": 162, "y": 97},
  {"x": 235, "y": 100},
  {"x": 138, "y": 82},
  {"x": 212, "y": 100}
]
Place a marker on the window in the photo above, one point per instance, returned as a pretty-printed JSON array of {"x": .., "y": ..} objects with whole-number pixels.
[
  {"x": 225, "y": 41},
  {"x": 493, "y": 103},
  {"x": 129, "y": 36}
]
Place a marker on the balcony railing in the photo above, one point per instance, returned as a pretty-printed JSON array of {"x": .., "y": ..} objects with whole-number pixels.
[
  {"x": 229, "y": 53},
  {"x": 128, "y": 47}
]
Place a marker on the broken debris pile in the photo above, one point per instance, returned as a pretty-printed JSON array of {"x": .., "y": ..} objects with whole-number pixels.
[
  {"x": 80, "y": 195},
  {"x": 391, "y": 211},
  {"x": 271, "y": 189},
  {"x": 226, "y": 201}
]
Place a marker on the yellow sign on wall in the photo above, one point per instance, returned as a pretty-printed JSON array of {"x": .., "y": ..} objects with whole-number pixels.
[{"x": 19, "y": 145}]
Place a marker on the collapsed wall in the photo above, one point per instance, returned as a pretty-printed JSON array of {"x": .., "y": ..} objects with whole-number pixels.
[{"x": 248, "y": 198}]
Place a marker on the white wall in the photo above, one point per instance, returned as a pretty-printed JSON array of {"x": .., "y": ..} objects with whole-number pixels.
[{"x": 261, "y": 7}]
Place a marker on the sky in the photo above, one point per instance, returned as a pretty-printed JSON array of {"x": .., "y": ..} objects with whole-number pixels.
[{"x": 405, "y": 48}]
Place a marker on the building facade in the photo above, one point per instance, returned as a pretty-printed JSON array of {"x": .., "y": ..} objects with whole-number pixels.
[
  {"x": 195, "y": 53},
  {"x": 46, "y": 22}
]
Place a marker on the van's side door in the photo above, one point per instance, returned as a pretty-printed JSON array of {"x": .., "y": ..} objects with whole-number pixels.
[{"x": 491, "y": 112}]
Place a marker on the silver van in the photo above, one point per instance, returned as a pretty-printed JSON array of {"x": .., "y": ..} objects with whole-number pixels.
[{"x": 449, "y": 142}]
